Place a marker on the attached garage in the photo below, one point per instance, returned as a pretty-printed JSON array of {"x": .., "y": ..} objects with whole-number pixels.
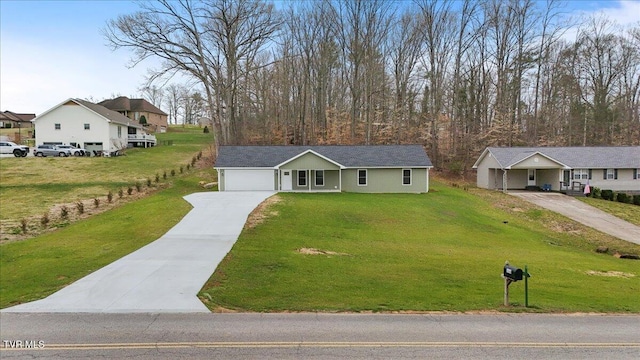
[{"x": 248, "y": 179}]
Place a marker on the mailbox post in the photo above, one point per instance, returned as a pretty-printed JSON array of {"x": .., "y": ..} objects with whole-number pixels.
[{"x": 510, "y": 274}]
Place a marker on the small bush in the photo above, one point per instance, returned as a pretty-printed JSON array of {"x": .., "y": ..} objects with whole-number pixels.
[
  {"x": 157, "y": 177},
  {"x": 636, "y": 199},
  {"x": 120, "y": 193},
  {"x": 624, "y": 198},
  {"x": 80, "y": 207},
  {"x": 164, "y": 175},
  {"x": 607, "y": 194},
  {"x": 199, "y": 155},
  {"x": 173, "y": 172},
  {"x": 96, "y": 202},
  {"x": 129, "y": 190},
  {"x": 23, "y": 225},
  {"x": 188, "y": 166},
  {"x": 44, "y": 220},
  {"x": 138, "y": 186},
  {"x": 148, "y": 182},
  {"x": 181, "y": 169},
  {"x": 206, "y": 130},
  {"x": 64, "y": 212},
  {"x": 110, "y": 197},
  {"x": 193, "y": 161},
  {"x": 596, "y": 193}
]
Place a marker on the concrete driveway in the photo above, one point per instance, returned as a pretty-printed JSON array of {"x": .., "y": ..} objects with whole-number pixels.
[
  {"x": 165, "y": 275},
  {"x": 583, "y": 213}
]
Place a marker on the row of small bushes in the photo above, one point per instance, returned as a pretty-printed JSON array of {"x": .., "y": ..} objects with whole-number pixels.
[
  {"x": 64, "y": 210},
  {"x": 611, "y": 195}
]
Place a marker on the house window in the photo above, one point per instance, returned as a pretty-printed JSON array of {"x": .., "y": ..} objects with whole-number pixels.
[
  {"x": 610, "y": 174},
  {"x": 87, "y": 126},
  {"x": 302, "y": 178},
  {"x": 406, "y": 176},
  {"x": 362, "y": 177},
  {"x": 57, "y": 126},
  {"x": 580, "y": 174},
  {"x": 636, "y": 174},
  {"x": 119, "y": 131},
  {"x": 319, "y": 177}
]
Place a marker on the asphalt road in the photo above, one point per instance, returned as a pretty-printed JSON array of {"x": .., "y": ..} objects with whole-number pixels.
[{"x": 320, "y": 336}]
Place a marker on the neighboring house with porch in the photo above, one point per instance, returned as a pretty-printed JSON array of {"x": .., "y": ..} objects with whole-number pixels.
[
  {"x": 560, "y": 168},
  {"x": 334, "y": 168},
  {"x": 89, "y": 126},
  {"x": 140, "y": 110},
  {"x": 9, "y": 119}
]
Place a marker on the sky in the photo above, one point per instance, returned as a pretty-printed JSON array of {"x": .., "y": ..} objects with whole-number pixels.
[{"x": 54, "y": 50}]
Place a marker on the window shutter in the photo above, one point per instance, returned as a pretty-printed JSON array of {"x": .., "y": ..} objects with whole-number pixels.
[
  {"x": 590, "y": 174},
  {"x": 604, "y": 174},
  {"x": 615, "y": 174},
  {"x": 635, "y": 174}
]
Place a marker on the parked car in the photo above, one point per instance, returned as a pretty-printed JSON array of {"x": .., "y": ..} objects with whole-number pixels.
[
  {"x": 73, "y": 150},
  {"x": 8, "y": 147},
  {"x": 50, "y": 150}
]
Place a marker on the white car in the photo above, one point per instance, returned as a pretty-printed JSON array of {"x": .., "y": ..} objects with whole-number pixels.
[
  {"x": 72, "y": 149},
  {"x": 8, "y": 147}
]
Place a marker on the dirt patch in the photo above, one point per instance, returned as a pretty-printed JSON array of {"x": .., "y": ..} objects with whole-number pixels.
[
  {"x": 262, "y": 212},
  {"x": 610, "y": 274},
  {"x": 312, "y": 251}
]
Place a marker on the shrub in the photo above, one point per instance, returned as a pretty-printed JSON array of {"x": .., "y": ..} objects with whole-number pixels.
[
  {"x": 173, "y": 172},
  {"x": 148, "y": 182},
  {"x": 23, "y": 225},
  {"x": 636, "y": 199},
  {"x": 44, "y": 220},
  {"x": 193, "y": 161},
  {"x": 64, "y": 212},
  {"x": 624, "y": 198},
  {"x": 110, "y": 197},
  {"x": 206, "y": 130},
  {"x": 96, "y": 202},
  {"x": 199, "y": 155},
  {"x": 188, "y": 166},
  {"x": 120, "y": 193},
  {"x": 596, "y": 193},
  {"x": 181, "y": 169},
  {"x": 129, "y": 190},
  {"x": 138, "y": 186},
  {"x": 80, "y": 207},
  {"x": 607, "y": 194},
  {"x": 157, "y": 177},
  {"x": 164, "y": 175}
]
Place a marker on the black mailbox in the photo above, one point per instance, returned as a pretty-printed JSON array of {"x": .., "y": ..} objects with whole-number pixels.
[{"x": 512, "y": 272}]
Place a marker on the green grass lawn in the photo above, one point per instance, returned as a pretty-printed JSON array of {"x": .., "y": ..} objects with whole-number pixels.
[
  {"x": 37, "y": 267},
  {"x": 439, "y": 251},
  {"x": 30, "y": 186}
]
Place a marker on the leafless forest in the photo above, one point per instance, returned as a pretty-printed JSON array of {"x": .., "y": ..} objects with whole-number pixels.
[{"x": 455, "y": 76}]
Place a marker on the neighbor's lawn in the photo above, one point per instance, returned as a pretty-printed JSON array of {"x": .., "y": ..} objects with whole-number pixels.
[
  {"x": 439, "y": 251},
  {"x": 35, "y": 268},
  {"x": 30, "y": 186},
  {"x": 628, "y": 212}
]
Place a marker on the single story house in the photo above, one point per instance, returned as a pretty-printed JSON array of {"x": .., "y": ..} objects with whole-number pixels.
[
  {"x": 560, "y": 168},
  {"x": 89, "y": 126},
  {"x": 140, "y": 110},
  {"x": 332, "y": 168}
]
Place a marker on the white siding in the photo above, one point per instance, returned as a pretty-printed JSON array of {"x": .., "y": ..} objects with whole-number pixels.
[{"x": 72, "y": 118}]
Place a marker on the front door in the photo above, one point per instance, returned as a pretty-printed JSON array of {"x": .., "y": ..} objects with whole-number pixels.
[
  {"x": 287, "y": 184},
  {"x": 566, "y": 179},
  {"x": 531, "y": 177}
]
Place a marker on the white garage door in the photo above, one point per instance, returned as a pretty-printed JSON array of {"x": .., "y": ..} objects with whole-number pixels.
[{"x": 235, "y": 180}]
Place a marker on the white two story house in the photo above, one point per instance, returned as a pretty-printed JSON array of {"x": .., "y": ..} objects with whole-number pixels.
[{"x": 89, "y": 126}]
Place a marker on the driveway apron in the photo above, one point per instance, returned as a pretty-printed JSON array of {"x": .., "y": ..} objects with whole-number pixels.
[
  {"x": 583, "y": 213},
  {"x": 167, "y": 274}
]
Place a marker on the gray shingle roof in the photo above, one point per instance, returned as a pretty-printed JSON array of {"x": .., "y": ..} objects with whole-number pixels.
[
  {"x": 346, "y": 155},
  {"x": 591, "y": 157}
]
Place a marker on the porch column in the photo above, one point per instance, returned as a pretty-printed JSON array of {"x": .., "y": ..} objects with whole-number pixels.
[
  {"x": 309, "y": 179},
  {"x": 504, "y": 181},
  {"x": 340, "y": 180}
]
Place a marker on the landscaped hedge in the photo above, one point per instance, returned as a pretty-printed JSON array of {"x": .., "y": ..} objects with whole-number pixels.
[
  {"x": 636, "y": 199},
  {"x": 607, "y": 194}
]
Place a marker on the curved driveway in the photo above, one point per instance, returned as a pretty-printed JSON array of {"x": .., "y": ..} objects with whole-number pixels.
[
  {"x": 167, "y": 274},
  {"x": 583, "y": 213}
]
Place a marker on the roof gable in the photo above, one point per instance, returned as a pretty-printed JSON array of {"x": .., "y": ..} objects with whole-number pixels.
[
  {"x": 313, "y": 153},
  {"x": 348, "y": 156},
  {"x": 106, "y": 114}
]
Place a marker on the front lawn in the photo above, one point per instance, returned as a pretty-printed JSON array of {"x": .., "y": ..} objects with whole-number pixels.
[
  {"x": 402, "y": 252},
  {"x": 627, "y": 212}
]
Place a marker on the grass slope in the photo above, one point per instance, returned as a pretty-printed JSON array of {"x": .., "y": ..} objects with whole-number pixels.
[
  {"x": 438, "y": 251},
  {"x": 628, "y": 212},
  {"x": 35, "y": 268}
]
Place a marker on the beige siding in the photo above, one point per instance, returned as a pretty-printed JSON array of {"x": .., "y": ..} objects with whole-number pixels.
[
  {"x": 625, "y": 181},
  {"x": 549, "y": 176},
  {"x": 537, "y": 162},
  {"x": 331, "y": 181},
  {"x": 486, "y": 177},
  {"x": 385, "y": 181}
]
